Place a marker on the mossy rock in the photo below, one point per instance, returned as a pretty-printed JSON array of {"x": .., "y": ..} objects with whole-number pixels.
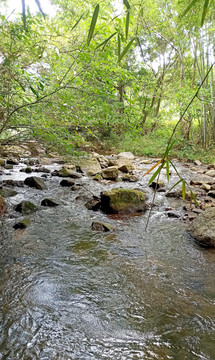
[
  {"x": 6, "y": 192},
  {"x": 123, "y": 201},
  {"x": 22, "y": 224},
  {"x": 2, "y": 162},
  {"x": 26, "y": 207},
  {"x": 110, "y": 173}
]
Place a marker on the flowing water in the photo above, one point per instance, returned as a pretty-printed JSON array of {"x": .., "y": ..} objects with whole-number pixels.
[{"x": 67, "y": 292}]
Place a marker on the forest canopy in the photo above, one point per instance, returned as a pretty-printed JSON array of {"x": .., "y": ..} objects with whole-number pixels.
[{"x": 115, "y": 74}]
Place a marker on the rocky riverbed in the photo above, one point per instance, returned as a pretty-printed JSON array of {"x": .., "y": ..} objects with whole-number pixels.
[{"x": 31, "y": 182}]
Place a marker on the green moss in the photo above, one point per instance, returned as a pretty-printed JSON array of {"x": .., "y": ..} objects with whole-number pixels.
[{"x": 123, "y": 200}]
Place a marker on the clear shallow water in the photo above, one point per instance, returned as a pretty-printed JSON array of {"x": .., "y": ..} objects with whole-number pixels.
[{"x": 69, "y": 293}]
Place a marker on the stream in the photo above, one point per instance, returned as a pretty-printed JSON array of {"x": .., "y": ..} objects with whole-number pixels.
[{"x": 67, "y": 292}]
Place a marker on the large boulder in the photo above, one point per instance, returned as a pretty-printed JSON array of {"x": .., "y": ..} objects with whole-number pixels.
[
  {"x": 123, "y": 201},
  {"x": 203, "y": 228},
  {"x": 35, "y": 182}
]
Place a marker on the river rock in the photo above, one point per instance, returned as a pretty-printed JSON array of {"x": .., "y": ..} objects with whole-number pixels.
[
  {"x": 35, "y": 182},
  {"x": 126, "y": 155},
  {"x": 93, "y": 204},
  {"x": 67, "y": 182},
  {"x": 42, "y": 169},
  {"x": 26, "y": 207},
  {"x": 22, "y": 224},
  {"x": 3, "y": 206},
  {"x": 123, "y": 201},
  {"x": 200, "y": 179},
  {"x": 89, "y": 166},
  {"x": 12, "y": 161},
  {"x": 211, "y": 193},
  {"x": 110, "y": 173},
  {"x": 210, "y": 173},
  {"x": 7, "y": 192},
  {"x": 100, "y": 226},
  {"x": 28, "y": 170},
  {"x": 198, "y": 162},
  {"x": 126, "y": 168},
  {"x": 157, "y": 184},
  {"x": 102, "y": 160},
  {"x": 203, "y": 228},
  {"x": 49, "y": 202},
  {"x": 206, "y": 187},
  {"x": 2, "y": 162},
  {"x": 129, "y": 178},
  {"x": 8, "y": 166}
]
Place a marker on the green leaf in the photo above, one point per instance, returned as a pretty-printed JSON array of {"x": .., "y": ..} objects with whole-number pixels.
[
  {"x": 33, "y": 90},
  {"x": 205, "y": 9},
  {"x": 156, "y": 173},
  {"x": 119, "y": 46},
  {"x": 125, "y": 50},
  {"x": 140, "y": 46},
  {"x": 168, "y": 149},
  {"x": 194, "y": 198},
  {"x": 126, "y": 3},
  {"x": 77, "y": 22},
  {"x": 93, "y": 24},
  {"x": 189, "y": 7},
  {"x": 167, "y": 170},
  {"x": 178, "y": 182},
  {"x": 127, "y": 24},
  {"x": 183, "y": 189},
  {"x": 105, "y": 41}
]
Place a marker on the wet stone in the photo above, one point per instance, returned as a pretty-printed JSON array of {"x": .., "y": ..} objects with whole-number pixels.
[
  {"x": 22, "y": 224},
  {"x": 49, "y": 202},
  {"x": 67, "y": 182},
  {"x": 7, "y": 192},
  {"x": 100, "y": 226},
  {"x": 35, "y": 182},
  {"x": 26, "y": 207}
]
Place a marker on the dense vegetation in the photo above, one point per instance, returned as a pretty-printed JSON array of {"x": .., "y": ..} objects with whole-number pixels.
[{"x": 122, "y": 84}]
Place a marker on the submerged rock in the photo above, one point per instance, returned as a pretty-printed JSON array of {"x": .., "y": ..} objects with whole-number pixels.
[
  {"x": 35, "y": 182},
  {"x": 26, "y": 207},
  {"x": 49, "y": 203},
  {"x": 203, "y": 228},
  {"x": 123, "y": 201},
  {"x": 100, "y": 226},
  {"x": 22, "y": 224}
]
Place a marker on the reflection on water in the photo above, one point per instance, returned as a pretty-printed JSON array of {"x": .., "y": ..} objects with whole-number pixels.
[{"x": 69, "y": 293}]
